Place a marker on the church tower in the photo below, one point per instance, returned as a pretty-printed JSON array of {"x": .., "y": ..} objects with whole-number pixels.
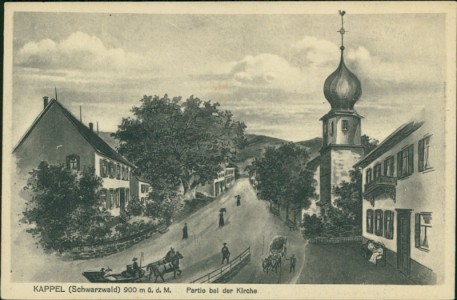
[{"x": 341, "y": 145}]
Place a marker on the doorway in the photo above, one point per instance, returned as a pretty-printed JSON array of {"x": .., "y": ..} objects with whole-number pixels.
[{"x": 404, "y": 240}]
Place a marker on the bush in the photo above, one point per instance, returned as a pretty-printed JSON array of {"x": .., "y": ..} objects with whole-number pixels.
[
  {"x": 135, "y": 207},
  {"x": 312, "y": 226}
]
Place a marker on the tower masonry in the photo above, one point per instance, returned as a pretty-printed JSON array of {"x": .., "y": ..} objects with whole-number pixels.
[{"x": 341, "y": 128}]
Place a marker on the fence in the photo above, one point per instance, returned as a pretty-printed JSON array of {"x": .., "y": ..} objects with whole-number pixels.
[
  {"x": 225, "y": 270},
  {"x": 335, "y": 240}
]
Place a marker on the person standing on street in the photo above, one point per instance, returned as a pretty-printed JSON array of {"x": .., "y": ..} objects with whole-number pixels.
[
  {"x": 221, "y": 219},
  {"x": 225, "y": 254},
  {"x": 238, "y": 200},
  {"x": 184, "y": 232},
  {"x": 293, "y": 260}
]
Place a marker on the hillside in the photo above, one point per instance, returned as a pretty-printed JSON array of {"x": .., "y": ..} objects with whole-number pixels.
[{"x": 256, "y": 144}]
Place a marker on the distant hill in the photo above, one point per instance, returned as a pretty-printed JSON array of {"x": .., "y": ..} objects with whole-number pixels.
[{"x": 255, "y": 146}]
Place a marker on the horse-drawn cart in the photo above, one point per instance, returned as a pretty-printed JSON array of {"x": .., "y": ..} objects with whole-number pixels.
[
  {"x": 124, "y": 277},
  {"x": 277, "y": 251}
]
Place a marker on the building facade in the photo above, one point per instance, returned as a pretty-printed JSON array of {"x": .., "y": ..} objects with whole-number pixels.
[
  {"x": 403, "y": 205},
  {"x": 140, "y": 189},
  {"x": 223, "y": 181},
  {"x": 58, "y": 137}
]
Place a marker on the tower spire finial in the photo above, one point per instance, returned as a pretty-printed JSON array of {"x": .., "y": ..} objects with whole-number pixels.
[{"x": 342, "y": 31}]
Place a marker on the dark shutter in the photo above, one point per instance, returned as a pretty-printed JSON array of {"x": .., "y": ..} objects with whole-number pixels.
[
  {"x": 410, "y": 160},
  {"x": 417, "y": 231},
  {"x": 386, "y": 232},
  {"x": 78, "y": 162},
  {"x": 421, "y": 156},
  {"x": 68, "y": 162},
  {"x": 399, "y": 165}
]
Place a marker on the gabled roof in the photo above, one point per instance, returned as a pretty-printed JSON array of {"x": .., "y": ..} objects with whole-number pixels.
[
  {"x": 91, "y": 137},
  {"x": 314, "y": 163},
  {"x": 397, "y": 136}
]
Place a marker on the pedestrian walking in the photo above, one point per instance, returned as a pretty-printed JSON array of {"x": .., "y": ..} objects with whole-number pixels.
[
  {"x": 221, "y": 219},
  {"x": 238, "y": 200},
  {"x": 225, "y": 253},
  {"x": 184, "y": 232},
  {"x": 293, "y": 260}
]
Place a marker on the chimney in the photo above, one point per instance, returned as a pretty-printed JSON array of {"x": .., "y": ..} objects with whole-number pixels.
[
  {"x": 45, "y": 101},
  {"x": 91, "y": 126}
]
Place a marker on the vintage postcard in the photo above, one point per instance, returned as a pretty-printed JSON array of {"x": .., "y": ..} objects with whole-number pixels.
[{"x": 229, "y": 150}]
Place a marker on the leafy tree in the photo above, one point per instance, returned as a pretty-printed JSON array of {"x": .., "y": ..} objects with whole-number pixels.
[
  {"x": 368, "y": 143},
  {"x": 64, "y": 206},
  {"x": 348, "y": 199},
  {"x": 175, "y": 142},
  {"x": 312, "y": 226},
  {"x": 283, "y": 178}
]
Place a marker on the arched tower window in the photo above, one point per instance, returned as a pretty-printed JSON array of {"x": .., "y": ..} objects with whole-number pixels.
[{"x": 331, "y": 129}]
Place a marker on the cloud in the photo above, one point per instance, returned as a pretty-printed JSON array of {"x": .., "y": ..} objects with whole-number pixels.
[
  {"x": 78, "y": 51},
  {"x": 311, "y": 51}
]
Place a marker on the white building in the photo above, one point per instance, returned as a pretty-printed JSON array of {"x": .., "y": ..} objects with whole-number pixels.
[{"x": 403, "y": 190}]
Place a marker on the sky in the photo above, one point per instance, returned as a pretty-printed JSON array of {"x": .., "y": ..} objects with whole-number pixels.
[{"x": 269, "y": 70}]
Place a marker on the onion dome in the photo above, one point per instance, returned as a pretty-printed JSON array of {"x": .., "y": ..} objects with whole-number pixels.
[{"x": 342, "y": 88}]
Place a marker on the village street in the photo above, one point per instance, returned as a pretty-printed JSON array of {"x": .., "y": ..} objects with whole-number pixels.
[{"x": 250, "y": 225}]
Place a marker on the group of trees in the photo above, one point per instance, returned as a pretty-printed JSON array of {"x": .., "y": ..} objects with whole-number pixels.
[
  {"x": 283, "y": 178},
  {"x": 179, "y": 143}
]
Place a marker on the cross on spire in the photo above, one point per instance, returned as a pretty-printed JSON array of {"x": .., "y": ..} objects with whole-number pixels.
[{"x": 342, "y": 31}]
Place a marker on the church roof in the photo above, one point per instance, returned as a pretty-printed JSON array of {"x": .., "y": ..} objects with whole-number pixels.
[
  {"x": 91, "y": 137},
  {"x": 397, "y": 136}
]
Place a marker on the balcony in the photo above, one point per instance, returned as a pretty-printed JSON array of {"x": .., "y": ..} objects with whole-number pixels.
[{"x": 382, "y": 185}]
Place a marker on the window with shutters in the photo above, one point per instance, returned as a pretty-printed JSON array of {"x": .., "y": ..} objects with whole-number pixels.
[
  {"x": 378, "y": 222},
  {"x": 103, "y": 198},
  {"x": 118, "y": 171},
  {"x": 405, "y": 162},
  {"x": 389, "y": 167},
  {"x": 116, "y": 197},
  {"x": 424, "y": 151},
  {"x": 127, "y": 196},
  {"x": 73, "y": 162},
  {"x": 127, "y": 174},
  {"x": 103, "y": 168},
  {"x": 370, "y": 221},
  {"x": 423, "y": 228},
  {"x": 389, "y": 224},
  {"x": 112, "y": 169},
  {"x": 377, "y": 171},
  {"x": 110, "y": 198},
  {"x": 368, "y": 177}
]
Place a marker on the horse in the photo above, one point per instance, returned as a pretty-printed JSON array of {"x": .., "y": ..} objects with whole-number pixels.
[
  {"x": 271, "y": 262},
  {"x": 163, "y": 266}
]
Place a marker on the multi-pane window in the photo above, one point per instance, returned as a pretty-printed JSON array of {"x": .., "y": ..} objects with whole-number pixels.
[
  {"x": 368, "y": 176},
  {"x": 389, "y": 224},
  {"x": 116, "y": 197},
  {"x": 345, "y": 125},
  {"x": 73, "y": 162},
  {"x": 424, "y": 151},
  {"x": 423, "y": 227},
  {"x": 370, "y": 221},
  {"x": 389, "y": 165},
  {"x": 378, "y": 222},
  {"x": 405, "y": 162},
  {"x": 377, "y": 171}
]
